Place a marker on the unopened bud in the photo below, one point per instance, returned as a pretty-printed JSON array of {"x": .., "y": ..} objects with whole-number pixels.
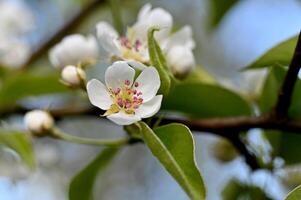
[
  {"x": 38, "y": 122},
  {"x": 73, "y": 76}
]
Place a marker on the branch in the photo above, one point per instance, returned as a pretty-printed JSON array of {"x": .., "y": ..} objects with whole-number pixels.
[
  {"x": 65, "y": 29},
  {"x": 285, "y": 94}
]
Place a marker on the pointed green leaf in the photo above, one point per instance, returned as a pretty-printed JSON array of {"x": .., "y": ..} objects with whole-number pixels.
[
  {"x": 81, "y": 186},
  {"x": 20, "y": 143},
  {"x": 206, "y": 100},
  {"x": 281, "y": 54},
  {"x": 173, "y": 146},
  {"x": 158, "y": 61},
  {"x": 295, "y": 194},
  {"x": 219, "y": 9}
]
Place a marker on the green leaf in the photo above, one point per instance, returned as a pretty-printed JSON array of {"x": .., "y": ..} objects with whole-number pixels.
[
  {"x": 116, "y": 14},
  {"x": 22, "y": 85},
  {"x": 81, "y": 186},
  {"x": 20, "y": 143},
  {"x": 295, "y": 194},
  {"x": 281, "y": 54},
  {"x": 173, "y": 146},
  {"x": 158, "y": 61},
  {"x": 206, "y": 100},
  {"x": 238, "y": 190},
  {"x": 199, "y": 75},
  {"x": 219, "y": 9}
]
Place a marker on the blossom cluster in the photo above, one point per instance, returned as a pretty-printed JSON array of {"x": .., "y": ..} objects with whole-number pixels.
[{"x": 129, "y": 93}]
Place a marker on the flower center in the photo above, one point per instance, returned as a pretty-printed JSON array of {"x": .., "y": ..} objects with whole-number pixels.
[
  {"x": 133, "y": 49},
  {"x": 126, "y": 98}
]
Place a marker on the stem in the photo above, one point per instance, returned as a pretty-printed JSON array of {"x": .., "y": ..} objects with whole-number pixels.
[
  {"x": 59, "y": 134},
  {"x": 116, "y": 15},
  {"x": 285, "y": 94}
]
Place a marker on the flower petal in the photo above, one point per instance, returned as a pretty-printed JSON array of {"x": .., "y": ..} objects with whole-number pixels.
[
  {"x": 182, "y": 37},
  {"x": 180, "y": 59},
  {"x": 122, "y": 118},
  {"x": 98, "y": 94},
  {"x": 108, "y": 38},
  {"x": 136, "y": 65},
  {"x": 148, "y": 83},
  {"x": 144, "y": 11},
  {"x": 117, "y": 73},
  {"x": 149, "y": 108}
]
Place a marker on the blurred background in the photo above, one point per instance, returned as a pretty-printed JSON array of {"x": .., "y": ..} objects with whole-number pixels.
[{"x": 224, "y": 47}]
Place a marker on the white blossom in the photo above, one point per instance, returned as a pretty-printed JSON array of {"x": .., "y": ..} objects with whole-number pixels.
[
  {"x": 38, "y": 121},
  {"x": 73, "y": 76},
  {"x": 133, "y": 45},
  {"x": 74, "y": 50},
  {"x": 126, "y": 100}
]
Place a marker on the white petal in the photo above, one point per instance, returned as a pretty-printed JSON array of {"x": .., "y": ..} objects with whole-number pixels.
[
  {"x": 182, "y": 37},
  {"x": 136, "y": 65},
  {"x": 156, "y": 17},
  {"x": 148, "y": 83},
  {"x": 98, "y": 94},
  {"x": 122, "y": 118},
  {"x": 149, "y": 108},
  {"x": 108, "y": 38},
  {"x": 144, "y": 11},
  {"x": 117, "y": 73},
  {"x": 180, "y": 59}
]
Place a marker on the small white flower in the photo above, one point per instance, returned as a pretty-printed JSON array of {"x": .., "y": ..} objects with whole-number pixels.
[
  {"x": 181, "y": 60},
  {"x": 133, "y": 46},
  {"x": 73, "y": 76},
  {"x": 38, "y": 121},
  {"x": 73, "y": 50},
  {"x": 126, "y": 100}
]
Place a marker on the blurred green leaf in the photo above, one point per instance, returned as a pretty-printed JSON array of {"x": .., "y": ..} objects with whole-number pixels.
[
  {"x": 20, "y": 85},
  {"x": 173, "y": 146},
  {"x": 20, "y": 143},
  {"x": 295, "y": 194},
  {"x": 205, "y": 100},
  {"x": 199, "y": 75},
  {"x": 235, "y": 190},
  {"x": 81, "y": 186},
  {"x": 157, "y": 60},
  {"x": 219, "y": 9},
  {"x": 270, "y": 91},
  {"x": 117, "y": 15},
  {"x": 281, "y": 54}
]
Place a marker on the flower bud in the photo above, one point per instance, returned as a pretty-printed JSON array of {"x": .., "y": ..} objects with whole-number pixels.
[
  {"x": 73, "y": 76},
  {"x": 38, "y": 122},
  {"x": 181, "y": 61}
]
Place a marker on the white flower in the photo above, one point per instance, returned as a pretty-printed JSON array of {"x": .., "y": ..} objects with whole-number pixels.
[
  {"x": 133, "y": 45},
  {"x": 73, "y": 50},
  {"x": 125, "y": 99},
  {"x": 73, "y": 76},
  {"x": 38, "y": 121}
]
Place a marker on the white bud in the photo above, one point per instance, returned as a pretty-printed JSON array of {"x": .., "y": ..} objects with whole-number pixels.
[
  {"x": 73, "y": 76},
  {"x": 38, "y": 122},
  {"x": 73, "y": 50},
  {"x": 181, "y": 60}
]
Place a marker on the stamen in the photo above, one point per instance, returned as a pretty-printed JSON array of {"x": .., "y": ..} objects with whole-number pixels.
[{"x": 127, "y": 82}]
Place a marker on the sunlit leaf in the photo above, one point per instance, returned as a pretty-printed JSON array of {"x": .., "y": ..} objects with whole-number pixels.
[
  {"x": 173, "y": 146},
  {"x": 206, "y": 100},
  {"x": 157, "y": 60},
  {"x": 20, "y": 143},
  {"x": 81, "y": 186},
  {"x": 200, "y": 75},
  {"x": 295, "y": 194},
  {"x": 281, "y": 54}
]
